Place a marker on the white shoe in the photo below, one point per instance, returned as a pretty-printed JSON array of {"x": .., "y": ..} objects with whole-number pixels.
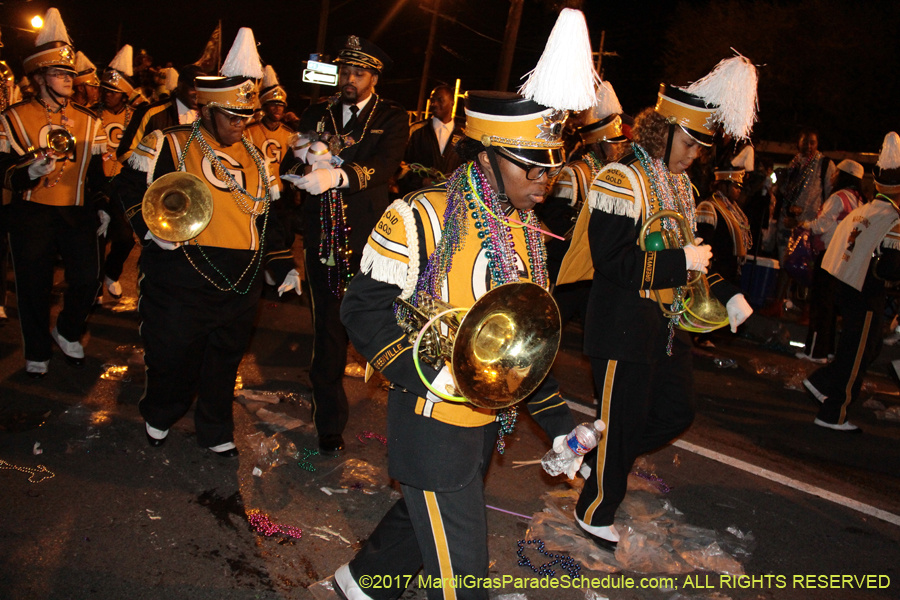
[
  {"x": 845, "y": 426},
  {"x": 805, "y": 356},
  {"x": 37, "y": 367},
  {"x": 3, "y": 313},
  {"x": 156, "y": 434},
  {"x": 70, "y": 349},
  {"x": 346, "y": 586},
  {"x": 812, "y": 390},
  {"x": 113, "y": 287}
]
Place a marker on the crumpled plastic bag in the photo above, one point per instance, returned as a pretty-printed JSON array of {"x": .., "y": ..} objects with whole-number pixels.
[
  {"x": 561, "y": 534},
  {"x": 891, "y": 414},
  {"x": 359, "y": 474},
  {"x": 645, "y": 548},
  {"x": 700, "y": 549},
  {"x": 273, "y": 451}
]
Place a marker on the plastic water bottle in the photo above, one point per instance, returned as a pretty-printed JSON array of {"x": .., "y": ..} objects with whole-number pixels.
[{"x": 579, "y": 442}]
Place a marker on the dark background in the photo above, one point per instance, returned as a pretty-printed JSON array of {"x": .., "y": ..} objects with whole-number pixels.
[{"x": 825, "y": 64}]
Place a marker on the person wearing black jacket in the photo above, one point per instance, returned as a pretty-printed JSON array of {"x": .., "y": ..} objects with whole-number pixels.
[{"x": 367, "y": 135}]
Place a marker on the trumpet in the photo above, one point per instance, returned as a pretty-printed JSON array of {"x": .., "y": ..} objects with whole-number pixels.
[
  {"x": 177, "y": 207},
  {"x": 693, "y": 306},
  {"x": 499, "y": 350},
  {"x": 58, "y": 143}
]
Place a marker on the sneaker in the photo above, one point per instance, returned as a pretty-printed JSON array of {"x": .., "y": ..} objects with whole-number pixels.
[
  {"x": 805, "y": 356},
  {"x": 845, "y": 426},
  {"x": 113, "y": 287},
  {"x": 812, "y": 390}
]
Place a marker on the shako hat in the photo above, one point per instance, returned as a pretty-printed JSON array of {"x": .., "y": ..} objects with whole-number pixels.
[
  {"x": 53, "y": 47},
  {"x": 271, "y": 90},
  {"x": 85, "y": 71},
  {"x": 729, "y": 173},
  {"x": 117, "y": 76},
  {"x": 887, "y": 169},
  {"x": 603, "y": 122},
  {"x": 360, "y": 52},
  {"x": 235, "y": 89},
  {"x": 725, "y": 97}
]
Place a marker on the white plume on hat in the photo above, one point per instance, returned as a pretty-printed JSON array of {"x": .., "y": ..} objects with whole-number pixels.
[
  {"x": 607, "y": 101},
  {"x": 890, "y": 152},
  {"x": 243, "y": 58},
  {"x": 269, "y": 77},
  {"x": 53, "y": 30},
  {"x": 564, "y": 77},
  {"x": 123, "y": 61},
  {"x": 171, "y": 79},
  {"x": 82, "y": 63},
  {"x": 731, "y": 87}
]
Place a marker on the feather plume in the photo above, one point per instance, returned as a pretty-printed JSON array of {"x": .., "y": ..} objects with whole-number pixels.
[
  {"x": 890, "y": 152},
  {"x": 269, "y": 77},
  {"x": 730, "y": 86},
  {"x": 82, "y": 63},
  {"x": 53, "y": 30},
  {"x": 607, "y": 101},
  {"x": 564, "y": 77},
  {"x": 123, "y": 61},
  {"x": 243, "y": 58},
  {"x": 171, "y": 79}
]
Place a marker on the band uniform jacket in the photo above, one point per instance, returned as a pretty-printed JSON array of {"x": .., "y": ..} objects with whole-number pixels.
[
  {"x": 369, "y": 164},
  {"x": 273, "y": 144},
  {"x": 146, "y": 118},
  {"x": 434, "y": 445},
  {"x": 24, "y": 127},
  {"x": 624, "y": 321}
]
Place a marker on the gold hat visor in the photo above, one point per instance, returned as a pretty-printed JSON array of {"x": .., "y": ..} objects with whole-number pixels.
[{"x": 692, "y": 119}]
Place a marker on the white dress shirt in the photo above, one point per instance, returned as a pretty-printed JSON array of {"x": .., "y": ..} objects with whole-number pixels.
[
  {"x": 348, "y": 113},
  {"x": 443, "y": 131},
  {"x": 186, "y": 116}
]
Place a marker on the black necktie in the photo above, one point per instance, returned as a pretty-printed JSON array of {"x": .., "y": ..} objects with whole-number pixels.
[{"x": 351, "y": 122}]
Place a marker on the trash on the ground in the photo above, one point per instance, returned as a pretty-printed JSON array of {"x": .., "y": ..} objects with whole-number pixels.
[
  {"x": 153, "y": 516},
  {"x": 272, "y": 451},
  {"x": 115, "y": 372},
  {"x": 725, "y": 363},
  {"x": 873, "y": 404},
  {"x": 258, "y": 396},
  {"x": 261, "y": 523},
  {"x": 126, "y": 304},
  {"x": 590, "y": 594},
  {"x": 279, "y": 421},
  {"x": 331, "y": 532},
  {"x": 36, "y": 449},
  {"x": 891, "y": 414},
  {"x": 511, "y": 597},
  {"x": 354, "y": 369},
  {"x": 323, "y": 590},
  {"x": 331, "y": 491},
  {"x": 653, "y": 537},
  {"x": 359, "y": 474},
  {"x": 369, "y": 435},
  {"x": 795, "y": 382}
]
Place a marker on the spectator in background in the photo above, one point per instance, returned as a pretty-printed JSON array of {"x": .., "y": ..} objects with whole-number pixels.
[{"x": 432, "y": 144}]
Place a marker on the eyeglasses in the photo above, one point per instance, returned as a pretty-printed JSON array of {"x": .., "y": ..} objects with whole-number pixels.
[
  {"x": 61, "y": 74},
  {"x": 533, "y": 172}
]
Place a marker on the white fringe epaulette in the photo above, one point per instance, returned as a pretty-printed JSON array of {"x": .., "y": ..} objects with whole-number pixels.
[
  {"x": 4, "y": 137},
  {"x": 889, "y": 158},
  {"x": 617, "y": 206},
  {"x": 564, "y": 77},
  {"x": 390, "y": 270},
  {"x": 890, "y": 242},
  {"x": 147, "y": 164}
]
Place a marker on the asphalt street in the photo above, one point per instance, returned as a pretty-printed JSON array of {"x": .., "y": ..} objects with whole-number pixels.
[{"x": 805, "y": 512}]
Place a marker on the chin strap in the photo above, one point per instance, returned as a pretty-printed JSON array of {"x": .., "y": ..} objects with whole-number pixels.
[
  {"x": 495, "y": 166},
  {"x": 669, "y": 144}
]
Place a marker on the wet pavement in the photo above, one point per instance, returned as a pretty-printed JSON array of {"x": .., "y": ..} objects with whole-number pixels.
[{"x": 790, "y": 504}]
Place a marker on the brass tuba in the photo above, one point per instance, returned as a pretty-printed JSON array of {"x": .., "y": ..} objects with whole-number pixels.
[
  {"x": 499, "y": 350},
  {"x": 177, "y": 207},
  {"x": 693, "y": 306}
]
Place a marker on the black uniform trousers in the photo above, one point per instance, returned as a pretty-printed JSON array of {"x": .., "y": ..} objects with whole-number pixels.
[
  {"x": 822, "y": 315},
  {"x": 446, "y": 532},
  {"x": 644, "y": 406},
  {"x": 4, "y": 251},
  {"x": 37, "y": 235},
  {"x": 859, "y": 345},
  {"x": 194, "y": 338},
  {"x": 326, "y": 373},
  {"x": 121, "y": 241}
]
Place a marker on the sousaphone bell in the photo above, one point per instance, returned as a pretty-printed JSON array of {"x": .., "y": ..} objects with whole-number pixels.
[
  {"x": 499, "y": 350},
  {"x": 177, "y": 207}
]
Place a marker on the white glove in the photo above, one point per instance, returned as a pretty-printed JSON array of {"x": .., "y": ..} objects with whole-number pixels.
[
  {"x": 559, "y": 444},
  {"x": 319, "y": 181},
  {"x": 696, "y": 258},
  {"x": 39, "y": 168},
  {"x": 291, "y": 282},
  {"x": 738, "y": 311},
  {"x": 104, "y": 222},
  {"x": 162, "y": 243}
]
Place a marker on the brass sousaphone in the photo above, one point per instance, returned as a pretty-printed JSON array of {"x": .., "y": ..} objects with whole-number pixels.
[
  {"x": 177, "y": 207},
  {"x": 693, "y": 305},
  {"x": 499, "y": 350}
]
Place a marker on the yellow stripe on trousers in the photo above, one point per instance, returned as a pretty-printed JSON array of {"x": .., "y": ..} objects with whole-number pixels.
[
  {"x": 860, "y": 350},
  {"x": 440, "y": 544},
  {"x": 605, "y": 401}
]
